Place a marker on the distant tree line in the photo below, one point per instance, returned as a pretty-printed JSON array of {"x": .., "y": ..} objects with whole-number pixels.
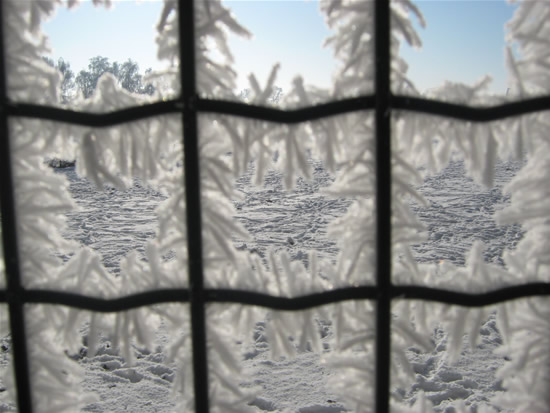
[{"x": 126, "y": 73}]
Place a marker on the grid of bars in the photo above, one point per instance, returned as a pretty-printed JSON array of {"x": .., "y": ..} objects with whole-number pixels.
[{"x": 189, "y": 105}]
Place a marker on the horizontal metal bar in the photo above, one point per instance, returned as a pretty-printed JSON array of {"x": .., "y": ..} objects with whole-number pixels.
[
  {"x": 471, "y": 113},
  {"x": 472, "y": 300},
  {"x": 411, "y": 104},
  {"x": 101, "y": 305},
  {"x": 96, "y": 120},
  {"x": 280, "y": 303},
  {"x": 136, "y": 113},
  {"x": 303, "y": 302},
  {"x": 291, "y": 116}
]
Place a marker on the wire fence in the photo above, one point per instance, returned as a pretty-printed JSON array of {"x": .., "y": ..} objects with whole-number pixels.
[{"x": 189, "y": 105}]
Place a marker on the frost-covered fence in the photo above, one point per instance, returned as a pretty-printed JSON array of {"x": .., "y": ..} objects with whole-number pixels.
[{"x": 366, "y": 127}]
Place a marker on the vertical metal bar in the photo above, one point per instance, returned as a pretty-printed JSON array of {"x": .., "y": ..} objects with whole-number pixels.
[
  {"x": 383, "y": 203},
  {"x": 193, "y": 202},
  {"x": 10, "y": 245}
]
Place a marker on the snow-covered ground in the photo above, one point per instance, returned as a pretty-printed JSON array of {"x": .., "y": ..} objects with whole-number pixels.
[
  {"x": 461, "y": 212},
  {"x": 114, "y": 222}
]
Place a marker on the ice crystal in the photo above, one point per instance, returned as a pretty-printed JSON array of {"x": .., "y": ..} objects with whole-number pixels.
[
  {"x": 353, "y": 355},
  {"x": 528, "y": 33},
  {"x": 54, "y": 376},
  {"x": 527, "y": 375}
]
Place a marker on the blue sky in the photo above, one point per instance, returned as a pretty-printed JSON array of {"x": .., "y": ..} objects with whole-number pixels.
[
  {"x": 289, "y": 32},
  {"x": 121, "y": 32},
  {"x": 463, "y": 40}
]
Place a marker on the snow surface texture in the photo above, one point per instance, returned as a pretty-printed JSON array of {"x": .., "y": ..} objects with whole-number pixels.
[{"x": 321, "y": 172}]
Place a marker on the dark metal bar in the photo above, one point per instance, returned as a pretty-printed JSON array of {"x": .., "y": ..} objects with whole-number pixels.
[
  {"x": 371, "y": 292},
  {"x": 406, "y": 103},
  {"x": 501, "y": 295},
  {"x": 304, "y": 302},
  {"x": 94, "y": 120},
  {"x": 383, "y": 204},
  {"x": 10, "y": 245},
  {"x": 411, "y": 104},
  {"x": 292, "y": 116},
  {"x": 300, "y": 303},
  {"x": 470, "y": 113},
  {"x": 186, "y": 20},
  {"x": 100, "y": 305},
  {"x": 181, "y": 295}
]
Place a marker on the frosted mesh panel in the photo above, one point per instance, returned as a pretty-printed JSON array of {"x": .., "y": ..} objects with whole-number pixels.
[
  {"x": 44, "y": 67},
  {"x": 132, "y": 360},
  {"x": 323, "y": 52},
  {"x": 470, "y": 205},
  {"x": 315, "y": 360},
  {"x": 100, "y": 211},
  {"x": 451, "y": 357},
  {"x": 287, "y": 210},
  {"x": 7, "y": 379},
  {"x": 470, "y": 52}
]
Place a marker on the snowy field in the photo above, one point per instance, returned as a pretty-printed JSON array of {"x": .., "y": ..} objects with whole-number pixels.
[{"x": 115, "y": 222}]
